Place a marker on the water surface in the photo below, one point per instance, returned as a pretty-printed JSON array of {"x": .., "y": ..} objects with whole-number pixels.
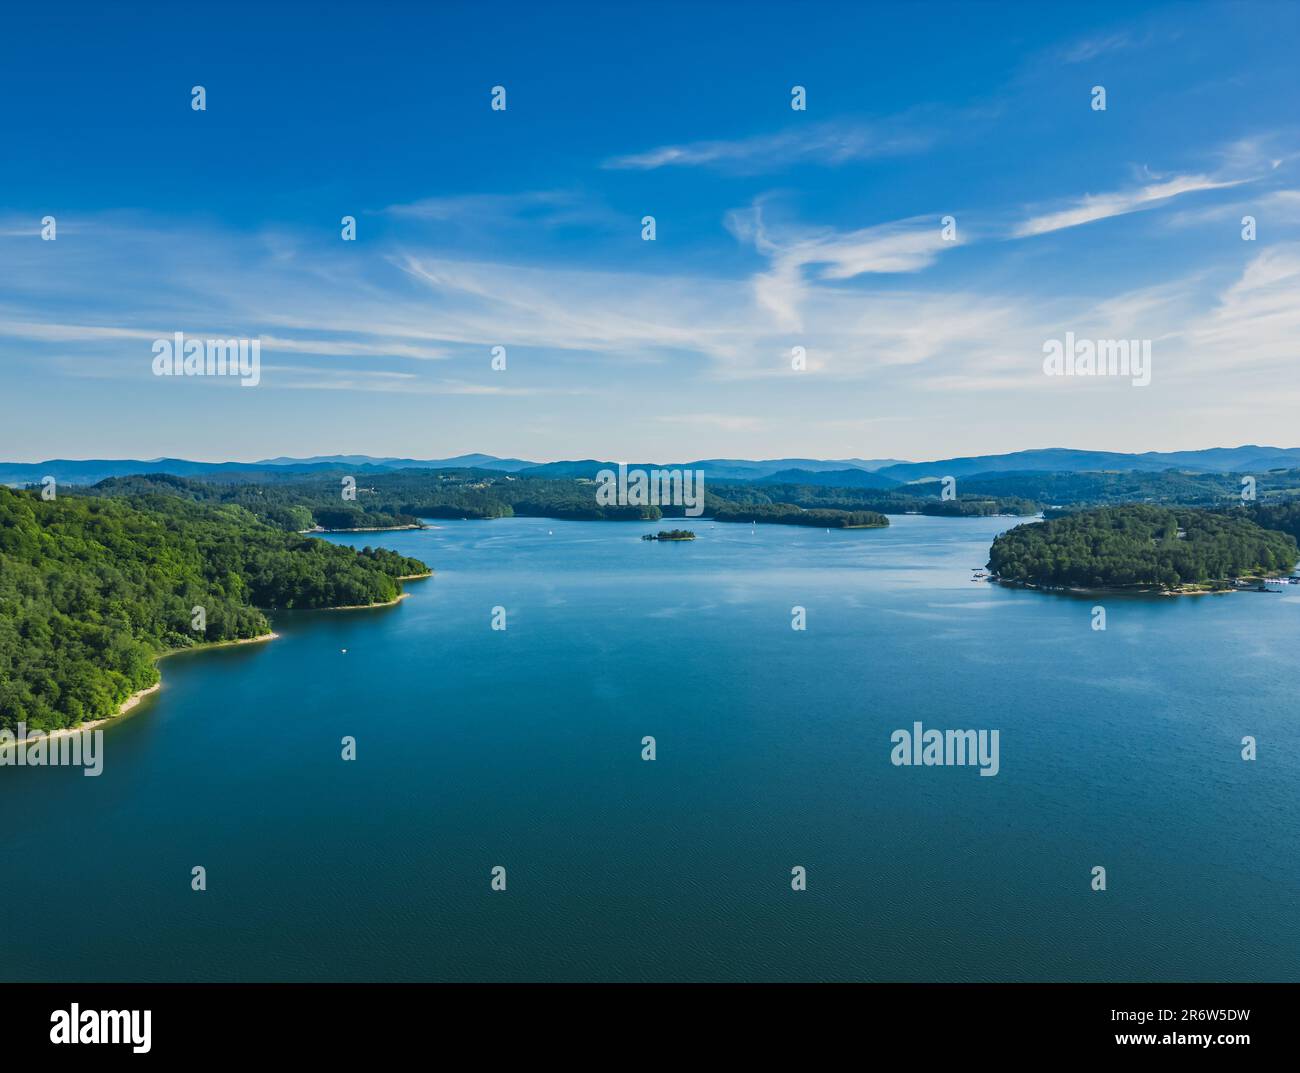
[{"x": 522, "y": 748}]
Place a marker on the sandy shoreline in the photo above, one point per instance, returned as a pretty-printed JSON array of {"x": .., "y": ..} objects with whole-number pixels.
[
  {"x": 138, "y": 696},
  {"x": 387, "y": 603},
  {"x": 363, "y": 607},
  {"x": 67, "y": 732},
  {"x": 206, "y": 645},
  {"x": 1069, "y": 590},
  {"x": 126, "y": 705}
]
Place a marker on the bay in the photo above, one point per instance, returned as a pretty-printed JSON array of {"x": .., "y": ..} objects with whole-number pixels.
[{"x": 521, "y": 748}]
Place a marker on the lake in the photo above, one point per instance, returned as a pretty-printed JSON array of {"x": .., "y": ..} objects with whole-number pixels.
[{"x": 522, "y": 748}]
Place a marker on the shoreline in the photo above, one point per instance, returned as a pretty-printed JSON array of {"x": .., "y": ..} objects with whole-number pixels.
[
  {"x": 362, "y": 607},
  {"x": 1069, "y": 590},
  {"x": 139, "y": 695},
  {"x": 206, "y": 645},
  {"x": 365, "y": 529}
]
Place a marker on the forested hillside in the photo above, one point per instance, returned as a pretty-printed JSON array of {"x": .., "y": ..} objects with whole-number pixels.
[
  {"x": 92, "y": 590},
  {"x": 1284, "y": 517},
  {"x": 1140, "y": 546},
  {"x": 298, "y": 502},
  {"x": 293, "y": 505}
]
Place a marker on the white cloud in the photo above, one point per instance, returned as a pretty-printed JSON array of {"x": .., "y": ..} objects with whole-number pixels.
[
  {"x": 1276, "y": 208},
  {"x": 1092, "y": 47},
  {"x": 898, "y": 247},
  {"x": 829, "y": 143},
  {"x": 1254, "y": 326},
  {"x": 1094, "y": 207},
  {"x": 476, "y": 215},
  {"x": 715, "y": 342}
]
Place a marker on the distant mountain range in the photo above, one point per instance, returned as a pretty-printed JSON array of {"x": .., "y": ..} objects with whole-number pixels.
[
  {"x": 844, "y": 472},
  {"x": 1249, "y": 459}
]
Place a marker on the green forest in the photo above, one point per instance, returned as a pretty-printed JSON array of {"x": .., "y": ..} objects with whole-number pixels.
[
  {"x": 296, "y": 503},
  {"x": 93, "y": 590},
  {"x": 789, "y": 514},
  {"x": 1285, "y": 517},
  {"x": 386, "y": 500},
  {"x": 96, "y": 584},
  {"x": 920, "y": 498},
  {"x": 1141, "y": 546}
]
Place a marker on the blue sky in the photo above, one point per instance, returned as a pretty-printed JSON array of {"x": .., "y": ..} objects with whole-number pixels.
[{"x": 775, "y": 228}]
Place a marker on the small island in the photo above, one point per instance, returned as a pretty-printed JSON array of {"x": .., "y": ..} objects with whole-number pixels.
[
  {"x": 1140, "y": 548},
  {"x": 672, "y": 534}
]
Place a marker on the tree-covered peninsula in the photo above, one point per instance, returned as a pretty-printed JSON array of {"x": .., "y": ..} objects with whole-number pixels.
[
  {"x": 1141, "y": 547},
  {"x": 92, "y": 591}
]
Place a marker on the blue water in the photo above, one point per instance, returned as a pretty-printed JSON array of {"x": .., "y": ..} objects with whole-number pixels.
[{"x": 522, "y": 748}]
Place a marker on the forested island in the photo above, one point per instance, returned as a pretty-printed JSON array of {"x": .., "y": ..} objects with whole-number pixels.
[
  {"x": 1141, "y": 547},
  {"x": 93, "y": 590},
  {"x": 670, "y": 534},
  {"x": 789, "y": 514}
]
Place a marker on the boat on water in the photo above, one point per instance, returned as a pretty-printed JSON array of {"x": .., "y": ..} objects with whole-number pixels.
[{"x": 1275, "y": 584}]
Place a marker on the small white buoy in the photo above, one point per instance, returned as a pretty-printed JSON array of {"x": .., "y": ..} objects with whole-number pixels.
[{"x": 344, "y": 651}]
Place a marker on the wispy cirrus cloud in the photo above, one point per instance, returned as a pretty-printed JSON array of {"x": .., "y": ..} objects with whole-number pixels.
[
  {"x": 797, "y": 254},
  {"x": 1255, "y": 323},
  {"x": 831, "y": 142},
  {"x": 95, "y": 333},
  {"x": 1093, "y": 207},
  {"x": 1089, "y": 48},
  {"x": 1273, "y": 209},
  {"x": 544, "y": 208},
  {"x": 576, "y": 331}
]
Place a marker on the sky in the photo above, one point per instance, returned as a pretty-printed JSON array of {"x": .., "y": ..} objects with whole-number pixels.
[{"x": 949, "y": 201}]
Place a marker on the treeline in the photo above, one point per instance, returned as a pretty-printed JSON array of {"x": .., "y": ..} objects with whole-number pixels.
[
  {"x": 789, "y": 514},
  {"x": 92, "y": 590},
  {"x": 1170, "y": 487},
  {"x": 1284, "y": 517},
  {"x": 388, "y": 500},
  {"x": 294, "y": 506},
  {"x": 400, "y": 498},
  {"x": 297, "y": 502},
  {"x": 1140, "y": 546},
  {"x": 911, "y": 499}
]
